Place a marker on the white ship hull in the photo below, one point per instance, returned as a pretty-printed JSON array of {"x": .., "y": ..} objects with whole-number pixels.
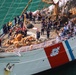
[{"x": 39, "y": 60}]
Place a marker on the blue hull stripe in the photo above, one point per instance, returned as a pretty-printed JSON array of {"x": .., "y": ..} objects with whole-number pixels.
[{"x": 69, "y": 49}]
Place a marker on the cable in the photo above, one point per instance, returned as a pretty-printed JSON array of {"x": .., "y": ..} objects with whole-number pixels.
[
  {"x": 15, "y": 9},
  {"x": 37, "y": 5},
  {"x": 26, "y": 6},
  {"x": 7, "y": 12},
  {"x": 0, "y": 8},
  {"x": 2, "y": 3}
]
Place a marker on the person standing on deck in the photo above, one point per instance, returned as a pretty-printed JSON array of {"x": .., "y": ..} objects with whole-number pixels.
[
  {"x": 37, "y": 34},
  {"x": 42, "y": 31},
  {"x": 24, "y": 31},
  {"x": 48, "y": 32}
]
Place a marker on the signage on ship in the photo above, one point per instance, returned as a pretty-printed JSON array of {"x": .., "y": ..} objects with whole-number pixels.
[{"x": 55, "y": 51}]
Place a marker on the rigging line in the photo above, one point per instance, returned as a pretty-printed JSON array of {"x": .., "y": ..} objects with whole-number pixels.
[
  {"x": 0, "y": 8},
  {"x": 35, "y": 2},
  {"x": 21, "y": 3},
  {"x": 26, "y": 6},
  {"x": 7, "y": 12},
  {"x": 44, "y": 6},
  {"x": 31, "y": 5},
  {"x": 15, "y": 9},
  {"x": 2, "y": 3},
  {"x": 39, "y": 4}
]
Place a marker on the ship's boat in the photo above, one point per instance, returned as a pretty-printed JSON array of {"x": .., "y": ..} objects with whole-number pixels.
[{"x": 26, "y": 61}]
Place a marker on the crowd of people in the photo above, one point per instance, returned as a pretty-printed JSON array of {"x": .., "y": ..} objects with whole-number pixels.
[{"x": 64, "y": 29}]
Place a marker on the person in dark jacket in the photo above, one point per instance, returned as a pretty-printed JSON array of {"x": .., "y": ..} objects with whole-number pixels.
[
  {"x": 10, "y": 33},
  {"x": 42, "y": 31},
  {"x": 5, "y": 29},
  {"x": 48, "y": 32},
  {"x": 30, "y": 15},
  {"x": 37, "y": 34},
  {"x": 15, "y": 20}
]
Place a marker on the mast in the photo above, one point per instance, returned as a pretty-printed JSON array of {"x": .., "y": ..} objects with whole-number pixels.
[{"x": 56, "y": 8}]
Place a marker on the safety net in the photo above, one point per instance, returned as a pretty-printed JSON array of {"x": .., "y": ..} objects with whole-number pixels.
[{"x": 11, "y": 8}]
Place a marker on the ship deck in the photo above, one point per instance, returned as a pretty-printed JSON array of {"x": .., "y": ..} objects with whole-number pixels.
[{"x": 31, "y": 32}]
